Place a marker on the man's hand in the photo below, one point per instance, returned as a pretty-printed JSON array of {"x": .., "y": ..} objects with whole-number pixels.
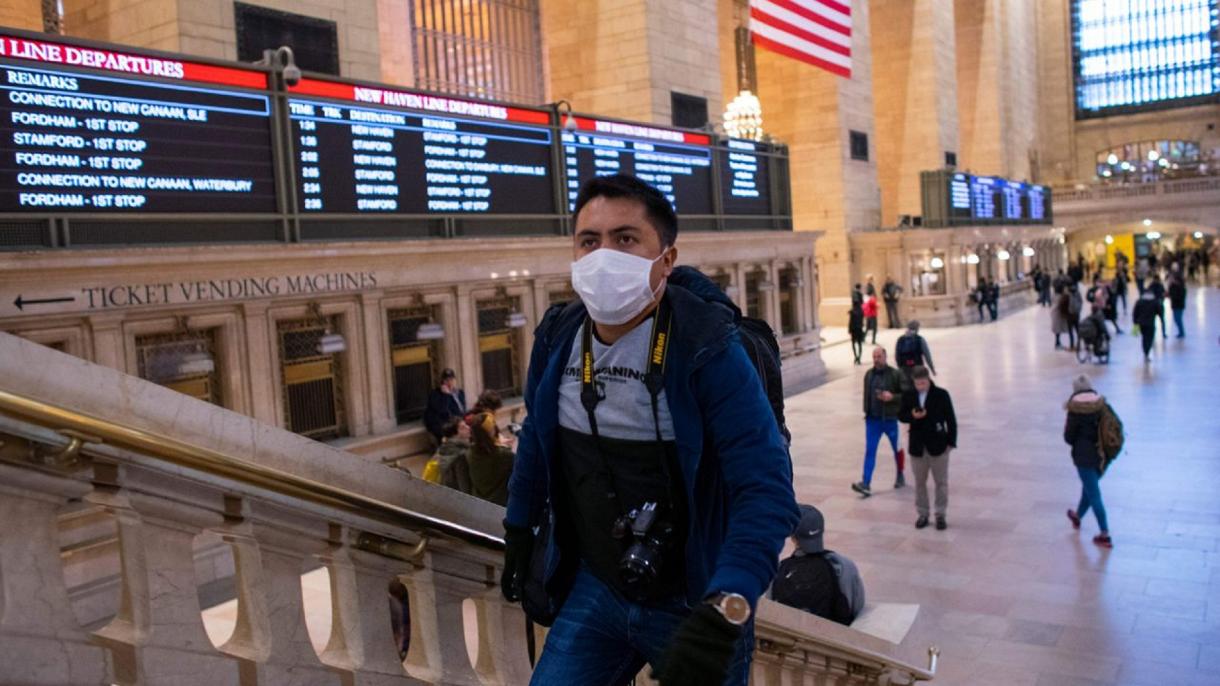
[
  {"x": 518, "y": 546},
  {"x": 885, "y": 396},
  {"x": 919, "y": 413},
  {"x": 701, "y": 650}
]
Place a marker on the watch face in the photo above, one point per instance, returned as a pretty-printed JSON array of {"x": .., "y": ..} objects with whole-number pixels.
[{"x": 736, "y": 609}]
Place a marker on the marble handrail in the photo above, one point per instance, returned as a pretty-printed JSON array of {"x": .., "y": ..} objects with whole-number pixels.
[{"x": 168, "y": 468}]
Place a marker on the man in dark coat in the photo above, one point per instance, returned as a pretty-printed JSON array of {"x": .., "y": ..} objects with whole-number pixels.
[
  {"x": 1144, "y": 315},
  {"x": 444, "y": 403},
  {"x": 1177, "y": 302},
  {"x": 933, "y": 435}
]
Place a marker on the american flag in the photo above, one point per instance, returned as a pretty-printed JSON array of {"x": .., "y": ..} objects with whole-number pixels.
[{"x": 817, "y": 32}]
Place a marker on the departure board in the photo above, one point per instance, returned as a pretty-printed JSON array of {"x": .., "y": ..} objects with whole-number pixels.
[
  {"x": 388, "y": 151},
  {"x": 745, "y": 178},
  {"x": 88, "y": 142},
  {"x": 952, "y": 198},
  {"x": 677, "y": 163}
]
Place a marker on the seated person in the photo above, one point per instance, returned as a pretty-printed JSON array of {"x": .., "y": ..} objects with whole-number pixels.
[
  {"x": 491, "y": 455},
  {"x": 817, "y": 580},
  {"x": 454, "y": 453}
]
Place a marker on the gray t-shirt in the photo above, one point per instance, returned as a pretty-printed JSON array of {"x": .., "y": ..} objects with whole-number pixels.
[{"x": 625, "y": 410}]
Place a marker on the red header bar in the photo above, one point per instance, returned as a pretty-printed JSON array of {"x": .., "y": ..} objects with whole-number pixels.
[
  {"x": 371, "y": 95},
  {"x": 652, "y": 133},
  {"x": 128, "y": 63}
]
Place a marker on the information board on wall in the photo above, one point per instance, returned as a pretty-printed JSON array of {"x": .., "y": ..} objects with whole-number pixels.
[
  {"x": 389, "y": 151},
  {"x": 112, "y": 139},
  {"x": 959, "y": 199},
  {"x": 745, "y": 177},
  {"x": 678, "y": 163}
]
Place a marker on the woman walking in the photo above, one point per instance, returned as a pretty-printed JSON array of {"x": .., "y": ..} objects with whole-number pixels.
[
  {"x": 855, "y": 328},
  {"x": 1082, "y": 432}
]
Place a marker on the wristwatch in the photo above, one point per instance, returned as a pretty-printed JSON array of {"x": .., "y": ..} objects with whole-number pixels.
[{"x": 732, "y": 606}]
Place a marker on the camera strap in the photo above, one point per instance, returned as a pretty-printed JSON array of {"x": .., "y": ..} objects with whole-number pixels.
[{"x": 654, "y": 373}]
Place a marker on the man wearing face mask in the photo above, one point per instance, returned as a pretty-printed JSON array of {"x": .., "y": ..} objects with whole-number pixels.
[{"x": 652, "y": 491}]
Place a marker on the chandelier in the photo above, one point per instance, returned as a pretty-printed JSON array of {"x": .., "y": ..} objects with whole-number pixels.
[{"x": 743, "y": 117}]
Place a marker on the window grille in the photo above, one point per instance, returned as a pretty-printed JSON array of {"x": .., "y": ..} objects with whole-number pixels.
[
  {"x": 789, "y": 285},
  {"x": 312, "y": 382},
  {"x": 416, "y": 363},
  {"x": 479, "y": 48},
  {"x": 859, "y": 145},
  {"x": 754, "y": 300},
  {"x": 1132, "y": 55},
  {"x": 160, "y": 358},
  {"x": 1149, "y": 161},
  {"x": 499, "y": 347}
]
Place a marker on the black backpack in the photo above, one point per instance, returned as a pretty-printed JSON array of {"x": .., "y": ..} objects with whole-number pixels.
[
  {"x": 809, "y": 583},
  {"x": 909, "y": 352},
  {"x": 757, "y": 337}
]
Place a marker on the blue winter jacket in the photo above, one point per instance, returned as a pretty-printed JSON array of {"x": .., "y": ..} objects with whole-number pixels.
[{"x": 734, "y": 464}]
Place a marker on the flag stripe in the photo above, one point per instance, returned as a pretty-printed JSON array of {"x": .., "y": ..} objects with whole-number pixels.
[
  {"x": 798, "y": 32},
  {"x": 801, "y": 56},
  {"x": 784, "y": 10},
  {"x": 775, "y": 35},
  {"x": 815, "y": 11},
  {"x": 836, "y": 6}
]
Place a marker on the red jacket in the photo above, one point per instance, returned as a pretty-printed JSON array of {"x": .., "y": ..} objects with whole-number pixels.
[{"x": 870, "y": 306}]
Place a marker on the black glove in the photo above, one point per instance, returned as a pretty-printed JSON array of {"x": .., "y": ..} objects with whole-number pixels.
[
  {"x": 700, "y": 651},
  {"x": 518, "y": 546}
]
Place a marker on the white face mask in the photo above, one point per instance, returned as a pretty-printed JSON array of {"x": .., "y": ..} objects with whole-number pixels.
[{"x": 614, "y": 286}]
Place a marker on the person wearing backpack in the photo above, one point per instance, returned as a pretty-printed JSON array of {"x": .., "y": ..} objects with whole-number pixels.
[
  {"x": 912, "y": 351},
  {"x": 1144, "y": 316},
  {"x": 816, "y": 580},
  {"x": 855, "y": 329},
  {"x": 1082, "y": 430},
  {"x": 652, "y": 490}
]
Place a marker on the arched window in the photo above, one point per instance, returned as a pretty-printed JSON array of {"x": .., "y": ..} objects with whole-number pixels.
[{"x": 1147, "y": 161}]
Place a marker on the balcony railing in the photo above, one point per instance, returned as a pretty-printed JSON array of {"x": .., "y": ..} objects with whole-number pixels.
[
  {"x": 1135, "y": 190},
  {"x": 168, "y": 468}
]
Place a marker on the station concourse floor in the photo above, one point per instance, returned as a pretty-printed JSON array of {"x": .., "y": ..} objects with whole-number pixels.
[{"x": 1010, "y": 593}]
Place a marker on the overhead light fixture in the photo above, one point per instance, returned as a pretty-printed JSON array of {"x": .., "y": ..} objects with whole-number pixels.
[
  {"x": 1147, "y": 222},
  {"x": 331, "y": 343},
  {"x": 937, "y": 263},
  {"x": 1198, "y": 235},
  {"x": 1153, "y": 235},
  {"x": 1112, "y": 159},
  {"x": 743, "y": 117},
  {"x": 1003, "y": 255},
  {"x": 430, "y": 332},
  {"x": 516, "y": 320},
  {"x": 1109, "y": 239},
  {"x": 1062, "y": 240},
  {"x": 1028, "y": 251},
  {"x": 196, "y": 363},
  {"x": 972, "y": 258}
]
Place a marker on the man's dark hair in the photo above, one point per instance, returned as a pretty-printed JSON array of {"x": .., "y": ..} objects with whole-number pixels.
[
  {"x": 920, "y": 372},
  {"x": 489, "y": 401},
  {"x": 656, "y": 205},
  {"x": 450, "y": 428}
]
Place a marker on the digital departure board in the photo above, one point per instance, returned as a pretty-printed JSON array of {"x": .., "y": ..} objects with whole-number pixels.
[
  {"x": 94, "y": 141},
  {"x": 956, "y": 199},
  {"x": 745, "y": 178},
  {"x": 677, "y": 163},
  {"x": 388, "y": 151}
]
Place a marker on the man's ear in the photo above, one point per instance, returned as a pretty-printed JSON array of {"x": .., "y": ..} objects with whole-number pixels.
[{"x": 669, "y": 260}]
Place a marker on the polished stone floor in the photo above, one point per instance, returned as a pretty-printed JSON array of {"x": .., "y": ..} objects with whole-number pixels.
[{"x": 1010, "y": 593}]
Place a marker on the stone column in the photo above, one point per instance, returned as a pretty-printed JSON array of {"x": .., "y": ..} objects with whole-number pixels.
[
  {"x": 376, "y": 361},
  {"x": 271, "y": 641},
  {"x": 438, "y": 643},
  {"x": 914, "y": 93},
  {"x": 40, "y": 643},
  {"x": 261, "y": 349},
  {"x": 468, "y": 330},
  {"x": 158, "y": 635},
  {"x": 108, "y": 348}
]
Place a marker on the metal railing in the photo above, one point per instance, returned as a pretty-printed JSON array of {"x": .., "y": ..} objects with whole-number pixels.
[{"x": 167, "y": 468}]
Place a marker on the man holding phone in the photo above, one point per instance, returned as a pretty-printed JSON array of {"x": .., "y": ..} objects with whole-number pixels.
[{"x": 929, "y": 410}]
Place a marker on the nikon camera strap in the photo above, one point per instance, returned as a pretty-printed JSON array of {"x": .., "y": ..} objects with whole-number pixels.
[{"x": 654, "y": 374}]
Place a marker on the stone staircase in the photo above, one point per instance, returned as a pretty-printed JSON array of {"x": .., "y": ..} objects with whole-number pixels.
[{"x": 137, "y": 519}]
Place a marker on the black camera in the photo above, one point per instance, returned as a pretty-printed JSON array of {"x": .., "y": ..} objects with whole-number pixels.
[{"x": 652, "y": 536}]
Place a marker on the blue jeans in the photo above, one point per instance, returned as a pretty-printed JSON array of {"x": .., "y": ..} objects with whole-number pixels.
[
  {"x": 874, "y": 429},
  {"x": 1177, "y": 320},
  {"x": 602, "y": 639},
  {"x": 1090, "y": 496}
]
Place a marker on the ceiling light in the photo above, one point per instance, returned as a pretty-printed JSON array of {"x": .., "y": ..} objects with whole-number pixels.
[
  {"x": 1198, "y": 235},
  {"x": 430, "y": 332},
  {"x": 1109, "y": 239},
  {"x": 972, "y": 258},
  {"x": 197, "y": 363},
  {"x": 743, "y": 117},
  {"x": 516, "y": 320},
  {"x": 1003, "y": 255},
  {"x": 1027, "y": 251},
  {"x": 1153, "y": 235},
  {"x": 331, "y": 343},
  {"x": 1147, "y": 222},
  {"x": 937, "y": 263}
]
